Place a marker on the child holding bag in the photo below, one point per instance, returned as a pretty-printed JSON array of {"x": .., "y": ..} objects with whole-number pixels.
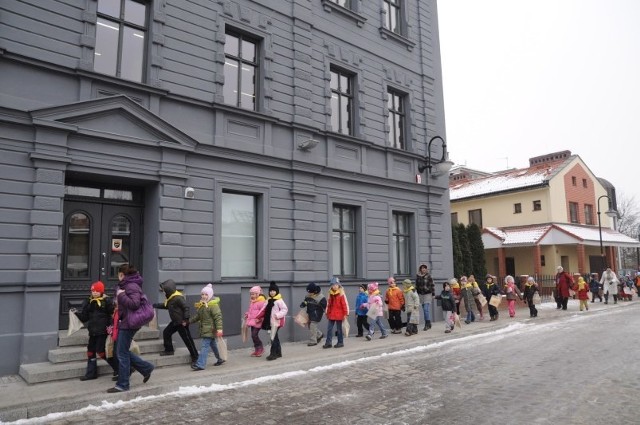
[{"x": 209, "y": 316}]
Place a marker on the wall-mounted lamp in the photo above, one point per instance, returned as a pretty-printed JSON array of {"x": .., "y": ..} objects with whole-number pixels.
[
  {"x": 440, "y": 166},
  {"x": 189, "y": 193},
  {"x": 307, "y": 144}
]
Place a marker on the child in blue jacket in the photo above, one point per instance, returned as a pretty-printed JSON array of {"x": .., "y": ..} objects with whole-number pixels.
[{"x": 361, "y": 313}]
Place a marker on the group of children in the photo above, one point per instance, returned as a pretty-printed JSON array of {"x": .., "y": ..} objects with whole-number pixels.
[{"x": 268, "y": 312}]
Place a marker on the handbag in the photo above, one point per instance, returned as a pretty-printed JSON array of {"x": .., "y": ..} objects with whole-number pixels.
[
  {"x": 74, "y": 323},
  {"x": 495, "y": 300},
  {"x": 373, "y": 311},
  {"x": 482, "y": 299},
  {"x": 302, "y": 318},
  {"x": 143, "y": 315},
  {"x": 536, "y": 299},
  {"x": 222, "y": 348}
]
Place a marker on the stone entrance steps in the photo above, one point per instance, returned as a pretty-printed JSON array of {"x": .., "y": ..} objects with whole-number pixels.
[{"x": 69, "y": 359}]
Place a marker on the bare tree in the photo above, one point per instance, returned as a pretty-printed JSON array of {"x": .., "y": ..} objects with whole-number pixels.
[{"x": 629, "y": 224}]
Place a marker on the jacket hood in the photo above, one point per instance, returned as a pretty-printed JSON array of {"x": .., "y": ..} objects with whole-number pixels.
[
  {"x": 421, "y": 266},
  {"x": 168, "y": 287}
]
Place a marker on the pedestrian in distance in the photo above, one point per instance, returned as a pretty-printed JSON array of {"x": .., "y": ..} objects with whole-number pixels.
[
  {"x": 513, "y": 293},
  {"x": 595, "y": 287},
  {"x": 129, "y": 296},
  {"x": 564, "y": 282},
  {"x": 609, "y": 282},
  {"x": 426, "y": 290},
  {"x": 394, "y": 299},
  {"x": 374, "y": 302},
  {"x": 467, "y": 296},
  {"x": 530, "y": 288},
  {"x": 274, "y": 312},
  {"x": 96, "y": 312},
  {"x": 412, "y": 307},
  {"x": 476, "y": 292},
  {"x": 489, "y": 288},
  {"x": 176, "y": 305},
  {"x": 456, "y": 290},
  {"x": 582, "y": 289},
  {"x": 315, "y": 304},
  {"x": 337, "y": 311},
  {"x": 447, "y": 302},
  {"x": 254, "y": 317},
  {"x": 361, "y": 312},
  {"x": 209, "y": 317}
]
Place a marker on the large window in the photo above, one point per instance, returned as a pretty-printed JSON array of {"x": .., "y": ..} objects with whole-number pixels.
[
  {"x": 401, "y": 244},
  {"x": 240, "y": 71},
  {"x": 397, "y": 121},
  {"x": 475, "y": 217},
  {"x": 588, "y": 214},
  {"x": 239, "y": 235},
  {"x": 343, "y": 3},
  {"x": 392, "y": 20},
  {"x": 341, "y": 102},
  {"x": 121, "y": 30},
  {"x": 573, "y": 212},
  {"x": 344, "y": 241}
]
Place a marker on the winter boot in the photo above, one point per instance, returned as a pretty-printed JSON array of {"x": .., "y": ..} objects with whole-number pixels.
[
  {"x": 92, "y": 370},
  {"x": 258, "y": 352}
]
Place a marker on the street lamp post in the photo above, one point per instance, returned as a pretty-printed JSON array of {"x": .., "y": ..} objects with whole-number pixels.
[{"x": 610, "y": 213}]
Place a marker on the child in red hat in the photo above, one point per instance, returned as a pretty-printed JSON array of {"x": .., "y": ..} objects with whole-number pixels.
[{"x": 96, "y": 312}]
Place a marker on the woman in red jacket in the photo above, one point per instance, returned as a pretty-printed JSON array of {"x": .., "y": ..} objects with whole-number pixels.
[{"x": 337, "y": 311}]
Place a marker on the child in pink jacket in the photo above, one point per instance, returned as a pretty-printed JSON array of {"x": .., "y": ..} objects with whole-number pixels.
[
  {"x": 374, "y": 303},
  {"x": 254, "y": 317}
]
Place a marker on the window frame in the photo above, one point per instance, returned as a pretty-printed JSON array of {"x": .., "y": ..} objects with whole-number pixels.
[
  {"x": 122, "y": 24},
  {"x": 339, "y": 270},
  {"x": 588, "y": 214},
  {"x": 349, "y": 95},
  {"x": 397, "y": 6},
  {"x": 454, "y": 218},
  {"x": 395, "y": 243},
  {"x": 574, "y": 214},
  {"x": 394, "y": 111},
  {"x": 477, "y": 211},
  {"x": 256, "y": 203},
  {"x": 242, "y": 36},
  {"x": 536, "y": 205},
  {"x": 517, "y": 208}
]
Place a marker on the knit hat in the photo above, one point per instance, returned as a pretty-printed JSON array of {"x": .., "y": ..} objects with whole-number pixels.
[
  {"x": 372, "y": 287},
  {"x": 452, "y": 281},
  {"x": 334, "y": 280},
  {"x": 463, "y": 279},
  {"x": 97, "y": 287},
  {"x": 208, "y": 290},
  {"x": 255, "y": 290},
  {"x": 313, "y": 288},
  {"x": 274, "y": 287},
  {"x": 363, "y": 286},
  {"x": 391, "y": 280},
  {"x": 406, "y": 284}
]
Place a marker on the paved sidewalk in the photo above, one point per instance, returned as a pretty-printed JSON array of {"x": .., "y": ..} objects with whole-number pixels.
[{"x": 19, "y": 400}]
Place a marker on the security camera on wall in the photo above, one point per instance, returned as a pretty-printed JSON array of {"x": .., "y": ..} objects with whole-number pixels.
[{"x": 189, "y": 193}]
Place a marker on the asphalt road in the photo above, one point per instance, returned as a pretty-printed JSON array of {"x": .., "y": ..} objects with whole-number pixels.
[{"x": 580, "y": 369}]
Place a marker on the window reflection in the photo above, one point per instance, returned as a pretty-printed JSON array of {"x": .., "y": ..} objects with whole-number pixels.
[{"x": 78, "y": 238}]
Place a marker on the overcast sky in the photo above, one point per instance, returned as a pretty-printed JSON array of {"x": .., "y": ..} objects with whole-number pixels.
[{"x": 524, "y": 78}]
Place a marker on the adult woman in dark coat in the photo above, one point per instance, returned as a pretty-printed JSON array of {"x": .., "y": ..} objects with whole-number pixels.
[
  {"x": 564, "y": 282},
  {"x": 129, "y": 295}
]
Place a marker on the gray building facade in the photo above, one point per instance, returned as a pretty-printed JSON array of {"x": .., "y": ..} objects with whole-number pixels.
[{"x": 233, "y": 142}]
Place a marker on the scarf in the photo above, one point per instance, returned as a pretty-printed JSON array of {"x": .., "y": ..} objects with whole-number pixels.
[
  {"x": 175, "y": 294},
  {"x": 97, "y": 300},
  {"x": 210, "y": 303}
]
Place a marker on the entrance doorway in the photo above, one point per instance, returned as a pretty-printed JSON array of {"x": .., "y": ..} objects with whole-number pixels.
[{"x": 101, "y": 231}]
